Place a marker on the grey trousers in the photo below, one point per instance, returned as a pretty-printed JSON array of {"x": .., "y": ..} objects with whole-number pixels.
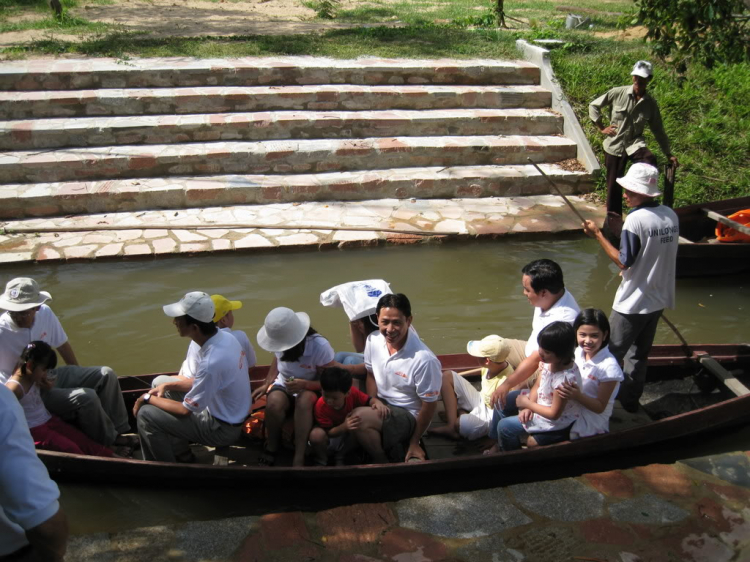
[
  {"x": 171, "y": 394},
  {"x": 163, "y": 435},
  {"x": 631, "y": 339},
  {"x": 91, "y": 398}
]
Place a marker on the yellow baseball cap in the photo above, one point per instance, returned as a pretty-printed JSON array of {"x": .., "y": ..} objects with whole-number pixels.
[{"x": 222, "y": 306}]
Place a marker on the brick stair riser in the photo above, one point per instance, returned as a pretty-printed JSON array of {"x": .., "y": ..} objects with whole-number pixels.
[
  {"x": 390, "y": 154},
  {"x": 80, "y": 200},
  {"x": 60, "y": 78},
  {"x": 29, "y": 135},
  {"x": 89, "y": 103}
]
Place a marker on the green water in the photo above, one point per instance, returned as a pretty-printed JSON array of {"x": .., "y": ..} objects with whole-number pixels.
[{"x": 112, "y": 314}]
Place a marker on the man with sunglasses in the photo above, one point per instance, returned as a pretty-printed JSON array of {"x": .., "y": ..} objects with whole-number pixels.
[{"x": 88, "y": 396}]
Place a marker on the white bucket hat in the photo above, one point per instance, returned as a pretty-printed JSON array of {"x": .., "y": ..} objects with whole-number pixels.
[
  {"x": 22, "y": 293},
  {"x": 283, "y": 329},
  {"x": 495, "y": 348},
  {"x": 642, "y": 68},
  {"x": 197, "y": 305},
  {"x": 641, "y": 178}
]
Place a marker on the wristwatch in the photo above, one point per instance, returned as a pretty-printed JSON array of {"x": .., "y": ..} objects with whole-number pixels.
[{"x": 147, "y": 398}]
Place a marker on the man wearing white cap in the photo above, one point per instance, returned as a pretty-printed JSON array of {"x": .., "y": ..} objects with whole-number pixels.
[
  {"x": 88, "y": 396},
  {"x": 632, "y": 109},
  {"x": 215, "y": 407},
  {"x": 647, "y": 258}
]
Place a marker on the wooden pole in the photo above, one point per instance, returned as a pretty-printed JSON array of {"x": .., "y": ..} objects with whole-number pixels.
[{"x": 560, "y": 193}]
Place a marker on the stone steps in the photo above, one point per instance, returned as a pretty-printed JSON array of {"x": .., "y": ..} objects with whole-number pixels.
[
  {"x": 165, "y": 129},
  {"x": 68, "y": 198},
  {"x": 333, "y": 97},
  {"x": 278, "y": 157}
]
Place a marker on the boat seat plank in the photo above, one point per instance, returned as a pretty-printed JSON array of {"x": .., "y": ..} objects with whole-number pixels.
[{"x": 729, "y": 380}]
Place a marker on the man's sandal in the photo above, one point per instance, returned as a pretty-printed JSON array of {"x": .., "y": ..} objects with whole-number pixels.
[
  {"x": 267, "y": 458},
  {"x": 128, "y": 440}
]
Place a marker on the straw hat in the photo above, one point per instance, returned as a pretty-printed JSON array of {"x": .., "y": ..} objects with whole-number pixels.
[{"x": 495, "y": 348}]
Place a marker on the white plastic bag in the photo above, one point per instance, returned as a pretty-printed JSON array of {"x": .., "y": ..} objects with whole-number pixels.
[{"x": 359, "y": 298}]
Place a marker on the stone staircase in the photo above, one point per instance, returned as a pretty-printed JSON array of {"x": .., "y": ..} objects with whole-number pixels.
[{"x": 101, "y": 136}]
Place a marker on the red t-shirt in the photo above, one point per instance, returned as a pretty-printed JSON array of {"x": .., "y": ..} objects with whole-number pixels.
[{"x": 328, "y": 418}]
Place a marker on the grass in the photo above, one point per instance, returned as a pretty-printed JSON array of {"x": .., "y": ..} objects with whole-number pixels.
[{"x": 704, "y": 113}]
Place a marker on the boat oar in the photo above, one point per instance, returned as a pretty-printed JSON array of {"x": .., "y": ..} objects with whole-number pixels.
[{"x": 560, "y": 193}]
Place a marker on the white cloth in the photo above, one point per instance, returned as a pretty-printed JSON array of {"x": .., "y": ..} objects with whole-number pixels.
[
  {"x": 13, "y": 340},
  {"x": 317, "y": 352},
  {"x": 476, "y": 422},
  {"x": 649, "y": 284},
  {"x": 602, "y": 367},
  {"x": 190, "y": 364},
  {"x": 548, "y": 382},
  {"x": 407, "y": 378},
  {"x": 28, "y": 497},
  {"x": 34, "y": 410},
  {"x": 221, "y": 384},
  {"x": 565, "y": 310}
]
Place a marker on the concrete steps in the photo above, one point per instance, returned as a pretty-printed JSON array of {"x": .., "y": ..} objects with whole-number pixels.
[{"x": 101, "y": 135}]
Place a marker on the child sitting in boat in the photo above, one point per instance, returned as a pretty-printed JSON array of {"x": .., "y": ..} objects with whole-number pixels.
[
  {"x": 49, "y": 432},
  {"x": 542, "y": 414},
  {"x": 467, "y": 411},
  {"x": 600, "y": 372},
  {"x": 292, "y": 378},
  {"x": 333, "y": 415}
]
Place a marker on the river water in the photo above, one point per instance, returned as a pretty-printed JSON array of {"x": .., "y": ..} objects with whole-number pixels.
[{"x": 112, "y": 314}]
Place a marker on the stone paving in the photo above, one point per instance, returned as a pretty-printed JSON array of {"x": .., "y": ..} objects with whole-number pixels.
[
  {"x": 288, "y": 225},
  {"x": 695, "y": 511}
]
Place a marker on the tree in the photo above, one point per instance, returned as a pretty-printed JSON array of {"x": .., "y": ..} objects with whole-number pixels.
[{"x": 706, "y": 31}]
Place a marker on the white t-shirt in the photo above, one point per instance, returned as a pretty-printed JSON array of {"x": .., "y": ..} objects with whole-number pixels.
[
  {"x": 407, "y": 378},
  {"x": 221, "y": 382},
  {"x": 190, "y": 364},
  {"x": 565, "y": 310},
  {"x": 13, "y": 340},
  {"x": 318, "y": 352},
  {"x": 648, "y": 284},
  {"x": 603, "y": 367},
  {"x": 34, "y": 409},
  {"x": 548, "y": 382},
  {"x": 28, "y": 497}
]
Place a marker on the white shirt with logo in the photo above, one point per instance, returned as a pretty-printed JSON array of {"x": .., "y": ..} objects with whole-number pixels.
[
  {"x": 221, "y": 382},
  {"x": 602, "y": 367},
  {"x": 407, "y": 378},
  {"x": 13, "y": 340},
  {"x": 190, "y": 364},
  {"x": 565, "y": 310},
  {"x": 318, "y": 352}
]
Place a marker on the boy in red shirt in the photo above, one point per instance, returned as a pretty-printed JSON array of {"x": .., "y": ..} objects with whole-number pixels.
[{"x": 333, "y": 415}]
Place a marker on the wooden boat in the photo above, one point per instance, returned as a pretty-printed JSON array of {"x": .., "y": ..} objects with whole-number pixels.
[
  {"x": 702, "y": 255},
  {"x": 365, "y": 482}
]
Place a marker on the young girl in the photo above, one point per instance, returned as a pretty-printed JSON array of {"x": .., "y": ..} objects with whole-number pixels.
[
  {"x": 49, "y": 432},
  {"x": 543, "y": 414},
  {"x": 292, "y": 379},
  {"x": 600, "y": 372}
]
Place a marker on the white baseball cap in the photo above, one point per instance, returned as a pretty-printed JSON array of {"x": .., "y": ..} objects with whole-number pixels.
[
  {"x": 641, "y": 178},
  {"x": 196, "y": 304},
  {"x": 283, "y": 329},
  {"x": 643, "y": 68},
  {"x": 22, "y": 293}
]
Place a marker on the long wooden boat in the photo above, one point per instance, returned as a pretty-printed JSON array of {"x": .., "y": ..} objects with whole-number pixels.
[
  {"x": 701, "y": 256},
  {"x": 365, "y": 482}
]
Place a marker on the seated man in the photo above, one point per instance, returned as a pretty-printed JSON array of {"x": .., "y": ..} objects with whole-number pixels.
[
  {"x": 214, "y": 409},
  {"x": 543, "y": 286},
  {"x": 403, "y": 381},
  {"x": 179, "y": 385},
  {"x": 90, "y": 397}
]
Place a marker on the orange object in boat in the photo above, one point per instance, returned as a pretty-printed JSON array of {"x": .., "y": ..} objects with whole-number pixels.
[{"x": 726, "y": 233}]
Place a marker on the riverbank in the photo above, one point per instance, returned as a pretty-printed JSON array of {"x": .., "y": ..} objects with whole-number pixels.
[{"x": 693, "y": 510}]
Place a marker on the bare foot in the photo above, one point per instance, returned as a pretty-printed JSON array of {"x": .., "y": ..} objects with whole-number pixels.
[
  {"x": 494, "y": 450},
  {"x": 444, "y": 431}
]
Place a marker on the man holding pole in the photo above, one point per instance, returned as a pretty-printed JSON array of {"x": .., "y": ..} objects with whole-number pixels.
[{"x": 647, "y": 258}]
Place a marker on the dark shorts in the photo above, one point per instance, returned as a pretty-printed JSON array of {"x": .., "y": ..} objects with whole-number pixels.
[
  {"x": 552, "y": 437},
  {"x": 398, "y": 428}
]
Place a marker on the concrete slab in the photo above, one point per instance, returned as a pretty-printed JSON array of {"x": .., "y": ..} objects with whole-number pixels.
[{"x": 563, "y": 500}]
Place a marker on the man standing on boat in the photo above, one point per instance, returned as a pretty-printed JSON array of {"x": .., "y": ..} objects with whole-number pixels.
[
  {"x": 632, "y": 109},
  {"x": 88, "y": 396},
  {"x": 215, "y": 407},
  {"x": 544, "y": 287},
  {"x": 647, "y": 258},
  {"x": 403, "y": 380}
]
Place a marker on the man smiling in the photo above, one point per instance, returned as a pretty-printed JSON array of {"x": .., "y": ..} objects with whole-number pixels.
[{"x": 403, "y": 380}]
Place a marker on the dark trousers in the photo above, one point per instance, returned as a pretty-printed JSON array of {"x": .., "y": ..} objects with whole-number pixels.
[{"x": 615, "y": 166}]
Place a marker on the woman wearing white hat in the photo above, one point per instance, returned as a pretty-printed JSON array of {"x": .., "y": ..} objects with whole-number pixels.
[{"x": 292, "y": 378}]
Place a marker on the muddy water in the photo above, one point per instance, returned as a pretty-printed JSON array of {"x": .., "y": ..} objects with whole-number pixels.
[{"x": 112, "y": 314}]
